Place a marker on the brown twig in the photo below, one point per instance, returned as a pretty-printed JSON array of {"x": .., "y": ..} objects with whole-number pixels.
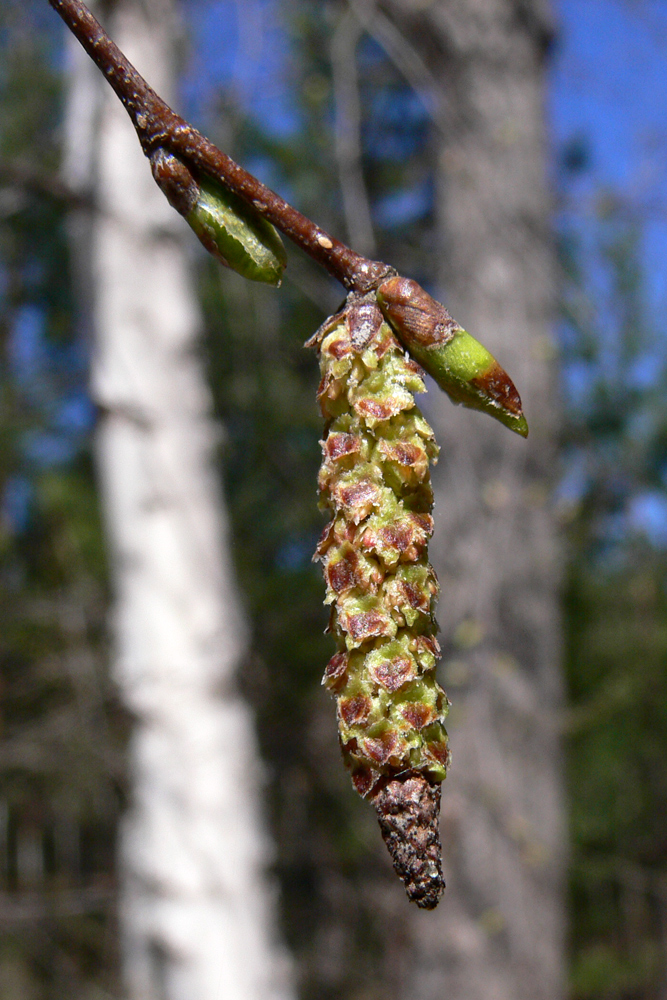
[{"x": 157, "y": 126}]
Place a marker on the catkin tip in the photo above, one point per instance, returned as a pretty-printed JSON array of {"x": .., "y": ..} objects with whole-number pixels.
[{"x": 408, "y": 809}]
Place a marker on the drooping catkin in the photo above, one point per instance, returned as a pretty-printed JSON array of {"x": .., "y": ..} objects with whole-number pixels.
[{"x": 375, "y": 480}]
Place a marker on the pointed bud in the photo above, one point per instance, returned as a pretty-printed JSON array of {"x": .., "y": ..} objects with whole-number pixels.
[
  {"x": 467, "y": 372},
  {"x": 229, "y": 229}
]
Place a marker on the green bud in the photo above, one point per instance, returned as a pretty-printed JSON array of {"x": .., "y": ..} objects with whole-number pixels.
[
  {"x": 463, "y": 367},
  {"x": 229, "y": 228}
]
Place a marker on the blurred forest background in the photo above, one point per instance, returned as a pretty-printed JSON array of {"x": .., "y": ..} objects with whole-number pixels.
[{"x": 269, "y": 82}]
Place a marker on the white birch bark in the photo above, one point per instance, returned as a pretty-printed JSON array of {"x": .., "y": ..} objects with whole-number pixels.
[{"x": 196, "y": 907}]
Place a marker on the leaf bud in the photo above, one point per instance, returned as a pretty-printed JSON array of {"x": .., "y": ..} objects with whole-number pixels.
[
  {"x": 463, "y": 367},
  {"x": 228, "y": 227}
]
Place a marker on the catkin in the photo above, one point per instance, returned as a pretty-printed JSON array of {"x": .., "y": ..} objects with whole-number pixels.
[{"x": 375, "y": 481}]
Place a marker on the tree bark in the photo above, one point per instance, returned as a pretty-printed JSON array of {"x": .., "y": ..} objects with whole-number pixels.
[
  {"x": 499, "y": 931},
  {"x": 196, "y": 908}
]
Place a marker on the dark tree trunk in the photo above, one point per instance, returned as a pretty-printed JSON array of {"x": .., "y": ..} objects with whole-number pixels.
[{"x": 499, "y": 931}]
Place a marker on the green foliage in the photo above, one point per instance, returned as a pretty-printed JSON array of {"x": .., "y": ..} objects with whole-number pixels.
[
  {"x": 61, "y": 767},
  {"x": 616, "y": 615}
]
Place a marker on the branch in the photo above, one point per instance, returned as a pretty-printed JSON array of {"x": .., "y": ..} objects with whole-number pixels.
[
  {"x": 28, "y": 907},
  {"x": 158, "y": 127},
  {"x": 405, "y": 58},
  {"x": 22, "y": 175},
  {"x": 460, "y": 365},
  {"x": 348, "y": 132}
]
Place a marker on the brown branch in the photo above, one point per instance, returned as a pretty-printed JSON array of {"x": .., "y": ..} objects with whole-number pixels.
[
  {"x": 39, "y": 905},
  {"x": 157, "y": 126}
]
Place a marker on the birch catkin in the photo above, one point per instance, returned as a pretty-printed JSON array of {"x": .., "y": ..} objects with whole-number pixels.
[{"x": 375, "y": 481}]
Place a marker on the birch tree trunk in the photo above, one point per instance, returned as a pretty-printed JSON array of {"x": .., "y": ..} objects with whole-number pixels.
[
  {"x": 498, "y": 934},
  {"x": 196, "y": 909}
]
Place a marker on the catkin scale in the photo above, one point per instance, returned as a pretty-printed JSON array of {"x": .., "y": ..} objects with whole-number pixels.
[{"x": 375, "y": 481}]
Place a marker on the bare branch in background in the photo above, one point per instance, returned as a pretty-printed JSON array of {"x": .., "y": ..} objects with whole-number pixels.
[
  {"x": 20, "y": 175},
  {"x": 348, "y": 132},
  {"x": 405, "y": 58},
  {"x": 31, "y": 907}
]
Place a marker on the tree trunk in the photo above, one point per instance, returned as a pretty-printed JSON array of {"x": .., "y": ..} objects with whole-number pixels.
[
  {"x": 499, "y": 931},
  {"x": 196, "y": 909}
]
